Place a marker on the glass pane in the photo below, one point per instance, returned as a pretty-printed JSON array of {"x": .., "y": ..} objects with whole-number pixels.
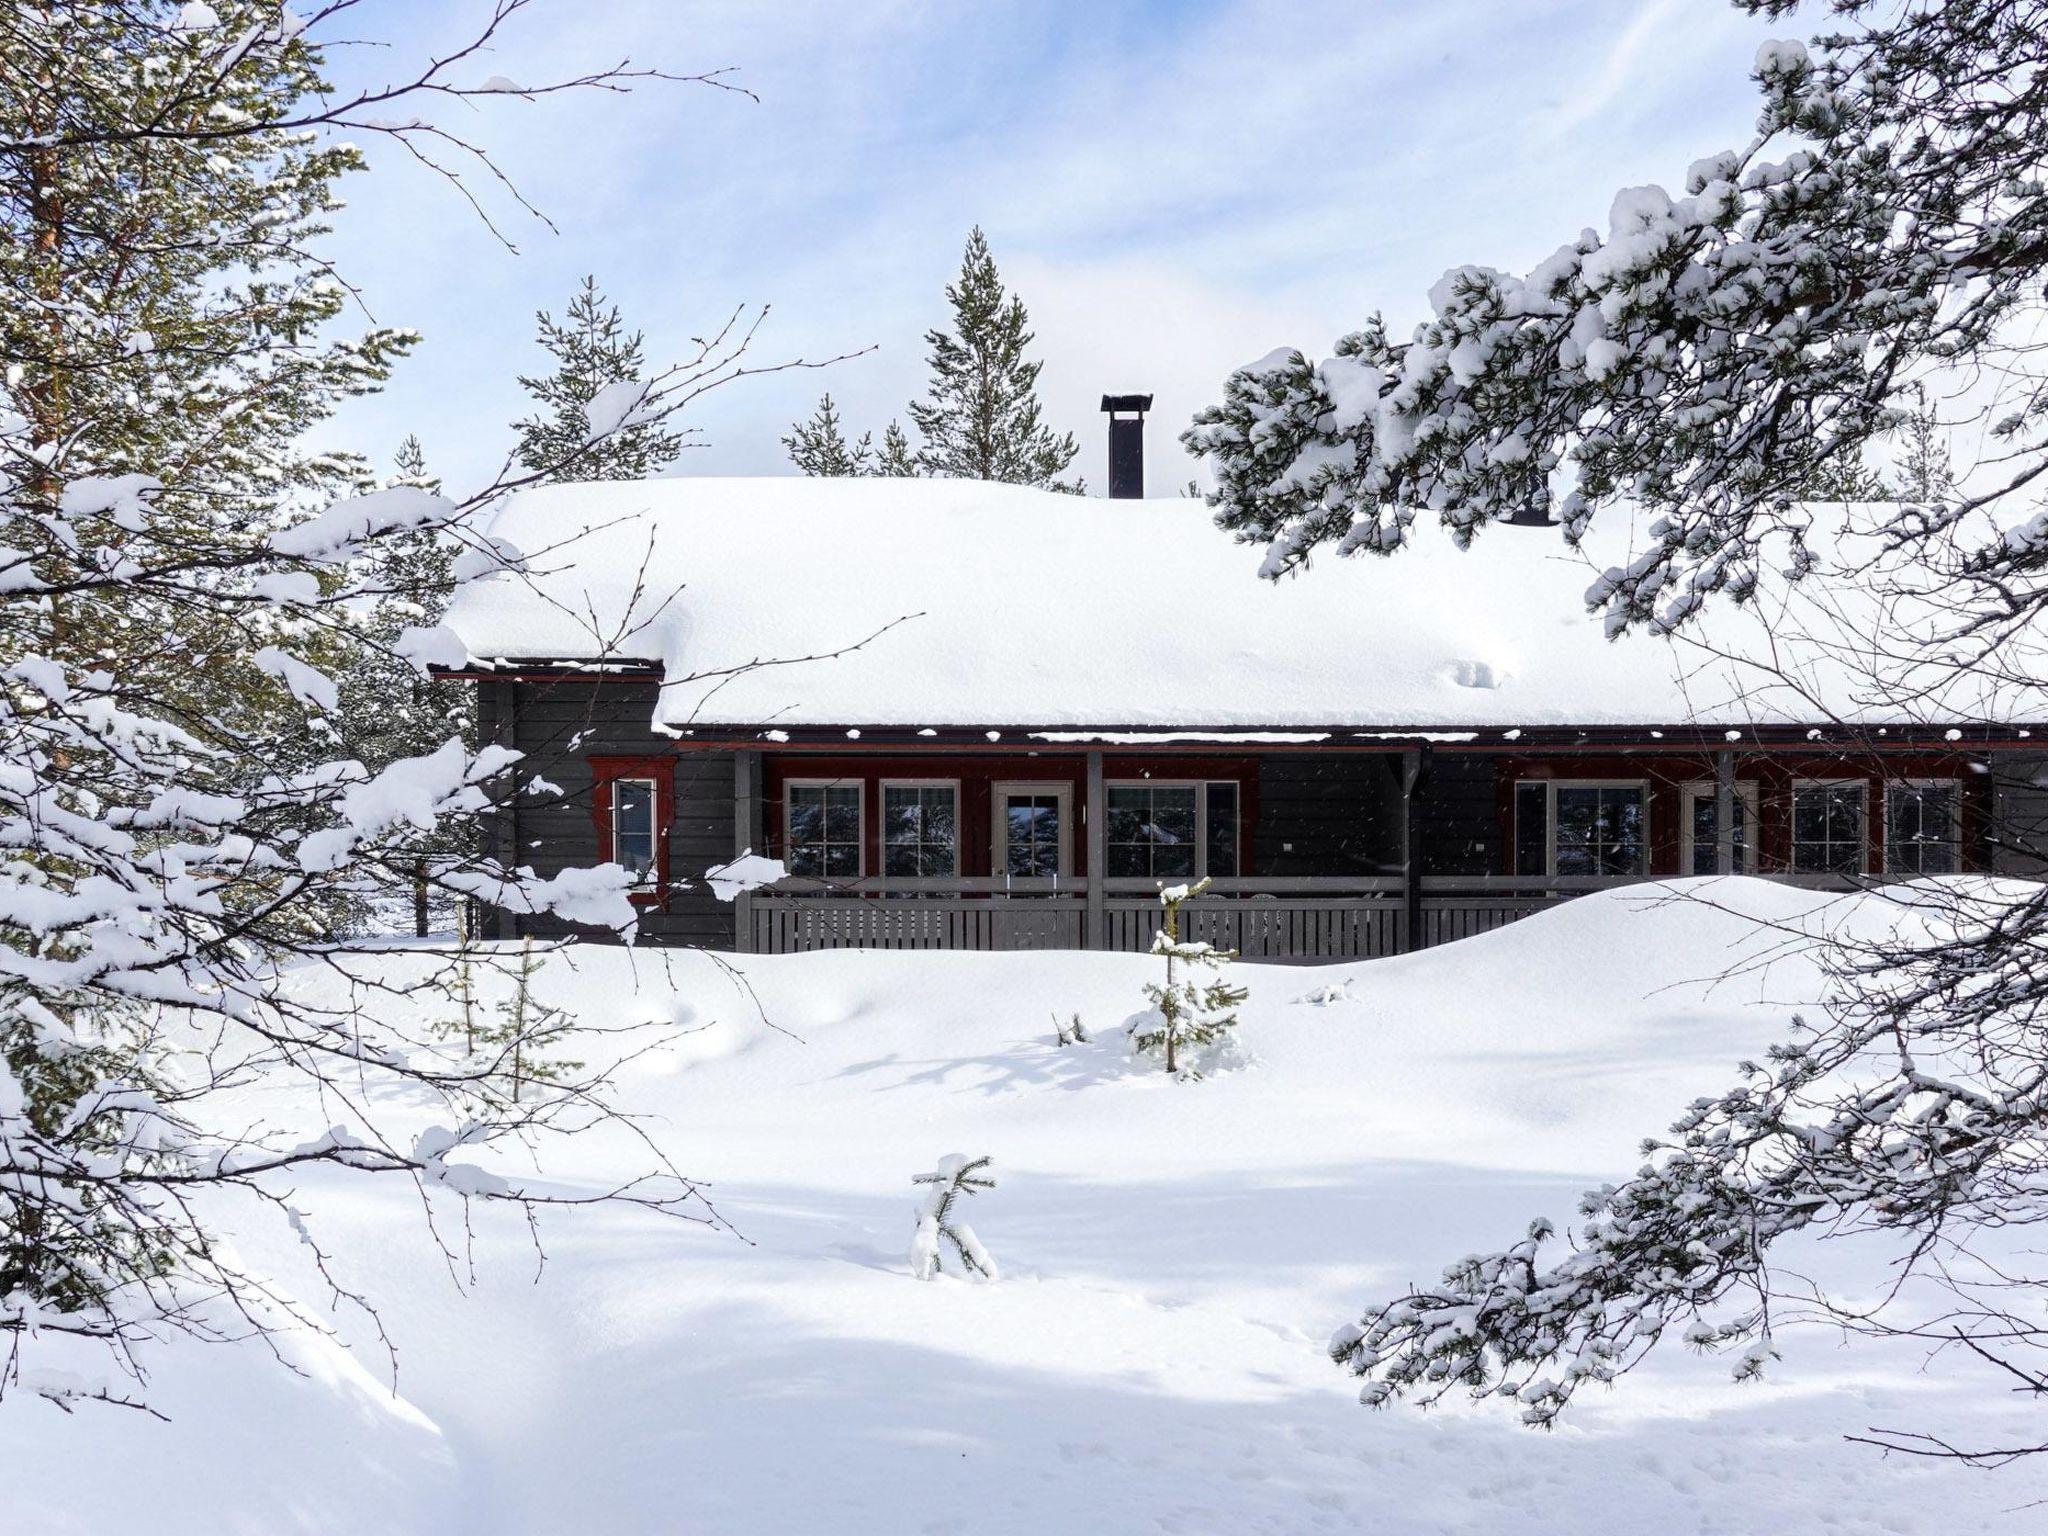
[
  {"x": 1178, "y": 859},
  {"x": 1173, "y": 818},
  {"x": 1577, "y": 812},
  {"x": 902, "y": 815},
  {"x": 842, "y": 860},
  {"x": 1222, "y": 829},
  {"x": 633, "y": 825},
  {"x": 903, "y": 859},
  {"x": 1129, "y": 861},
  {"x": 1032, "y": 834},
  {"x": 1532, "y": 829},
  {"x": 842, "y": 815}
]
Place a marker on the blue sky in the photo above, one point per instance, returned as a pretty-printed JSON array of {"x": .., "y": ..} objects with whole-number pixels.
[{"x": 1173, "y": 188}]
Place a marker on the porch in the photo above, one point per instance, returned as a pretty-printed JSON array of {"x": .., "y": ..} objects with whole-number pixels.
[{"x": 1306, "y": 920}]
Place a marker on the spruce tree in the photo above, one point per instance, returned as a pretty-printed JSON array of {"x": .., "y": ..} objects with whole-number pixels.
[
  {"x": 981, "y": 419},
  {"x": 388, "y": 708},
  {"x": 895, "y": 457},
  {"x": 592, "y": 349},
  {"x": 1925, "y": 473},
  {"x": 819, "y": 448}
]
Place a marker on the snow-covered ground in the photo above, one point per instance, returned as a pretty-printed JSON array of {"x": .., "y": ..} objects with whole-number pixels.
[{"x": 1174, "y": 1258}]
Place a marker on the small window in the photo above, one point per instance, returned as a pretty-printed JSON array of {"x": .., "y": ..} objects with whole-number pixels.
[
  {"x": 1827, "y": 829},
  {"x": 1587, "y": 828},
  {"x": 920, "y": 830},
  {"x": 633, "y": 822},
  {"x": 1922, "y": 825},
  {"x": 823, "y": 824}
]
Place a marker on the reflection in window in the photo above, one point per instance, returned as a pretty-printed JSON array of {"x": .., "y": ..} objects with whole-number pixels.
[
  {"x": 1599, "y": 829},
  {"x": 1152, "y": 831},
  {"x": 1706, "y": 832},
  {"x": 824, "y": 830},
  {"x": 1921, "y": 825},
  {"x": 633, "y": 804},
  {"x": 1827, "y": 829},
  {"x": 1031, "y": 834},
  {"x": 920, "y": 830}
]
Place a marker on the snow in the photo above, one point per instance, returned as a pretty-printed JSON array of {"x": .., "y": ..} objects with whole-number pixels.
[
  {"x": 1174, "y": 1258},
  {"x": 989, "y": 604}
]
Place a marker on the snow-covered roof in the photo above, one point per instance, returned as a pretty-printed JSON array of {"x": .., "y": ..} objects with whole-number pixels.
[{"x": 959, "y": 603}]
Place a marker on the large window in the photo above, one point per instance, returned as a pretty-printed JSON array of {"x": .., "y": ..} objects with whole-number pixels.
[
  {"x": 1587, "y": 827},
  {"x": 1922, "y": 826},
  {"x": 1700, "y": 853},
  {"x": 1828, "y": 830},
  {"x": 823, "y": 826},
  {"x": 921, "y": 829},
  {"x": 1172, "y": 831}
]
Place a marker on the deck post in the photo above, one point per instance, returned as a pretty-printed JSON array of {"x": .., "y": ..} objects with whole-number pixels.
[
  {"x": 1095, "y": 823},
  {"x": 1414, "y": 763},
  {"x": 746, "y": 837},
  {"x": 1724, "y": 814}
]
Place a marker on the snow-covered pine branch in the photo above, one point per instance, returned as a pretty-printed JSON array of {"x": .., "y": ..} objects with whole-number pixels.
[{"x": 938, "y": 1232}]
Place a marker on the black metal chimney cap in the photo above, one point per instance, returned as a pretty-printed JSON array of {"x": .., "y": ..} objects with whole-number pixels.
[{"x": 1138, "y": 403}]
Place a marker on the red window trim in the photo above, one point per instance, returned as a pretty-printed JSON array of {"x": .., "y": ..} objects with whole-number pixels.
[{"x": 604, "y": 772}]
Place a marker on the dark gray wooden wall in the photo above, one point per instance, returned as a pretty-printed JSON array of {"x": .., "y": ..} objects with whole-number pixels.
[
  {"x": 1340, "y": 814},
  {"x": 559, "y": 726}
]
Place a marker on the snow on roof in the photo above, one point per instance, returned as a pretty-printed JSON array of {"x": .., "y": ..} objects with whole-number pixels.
[{"x": 951, "y": 603}]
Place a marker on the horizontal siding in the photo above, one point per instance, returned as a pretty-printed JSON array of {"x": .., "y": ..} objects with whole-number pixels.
[{"x": 559, "y": 727}]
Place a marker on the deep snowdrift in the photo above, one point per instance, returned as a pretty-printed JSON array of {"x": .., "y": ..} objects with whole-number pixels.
[{"x": 1174, "y": 1257}]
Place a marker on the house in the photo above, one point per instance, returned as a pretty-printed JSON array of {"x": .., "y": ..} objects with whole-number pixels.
[{"x": 979, "y": 716}]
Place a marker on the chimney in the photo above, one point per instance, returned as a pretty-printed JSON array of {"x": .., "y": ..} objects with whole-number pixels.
[{"x": 1127, "y": 444}]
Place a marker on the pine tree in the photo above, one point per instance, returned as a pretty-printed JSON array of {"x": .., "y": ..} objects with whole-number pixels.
[
  {"x": 1925, "y": 473},
  {"x": 162, "y": 312},
  {"x": 819, "y": 448},
  {"x": 1186, "y": 1011},
  {"x": 895, "y": 457},
  {"x": 981, "y": 419},
  {"x": 592, "y": 349},
  {"x": 1845, "y": 477},
  {"x": 388, "y": 708}
]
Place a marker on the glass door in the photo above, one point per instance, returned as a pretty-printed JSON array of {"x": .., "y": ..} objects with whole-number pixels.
[{"x": 1034, "y": 831}]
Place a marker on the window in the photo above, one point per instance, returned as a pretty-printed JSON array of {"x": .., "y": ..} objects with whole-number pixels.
[
  {"x": 633, "y": 803},
  {"x": 1588, "y": 827},
  {"x": 1033, "y": 831},
  {"x": 822, "y": 823},
  {"x": 920, "y": 829},
  {"x": 1699, "y": 836},
  {"x": 1827, "y": 829},
  {"x": 1172, "y": 831},
  {"x": 1921, "y": 828}
]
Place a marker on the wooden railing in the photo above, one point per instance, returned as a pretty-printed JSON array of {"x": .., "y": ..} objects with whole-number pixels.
[{"x": 1273, "y": 918}]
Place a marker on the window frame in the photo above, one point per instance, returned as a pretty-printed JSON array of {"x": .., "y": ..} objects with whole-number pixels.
[
  {"x": 1201, "y": 789},
  {"x": 1862, "y": 787},
  {"x": 860, "y": 816},
  {"x": 999, "y": 824},
  {"x": 660, "y": 771},
  {"x": 1955, "y": 840},
  {"x": 1550, "y": 788},
  {"x": 882, "y": 788},
  {"x": 1749, "y": 792}
]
